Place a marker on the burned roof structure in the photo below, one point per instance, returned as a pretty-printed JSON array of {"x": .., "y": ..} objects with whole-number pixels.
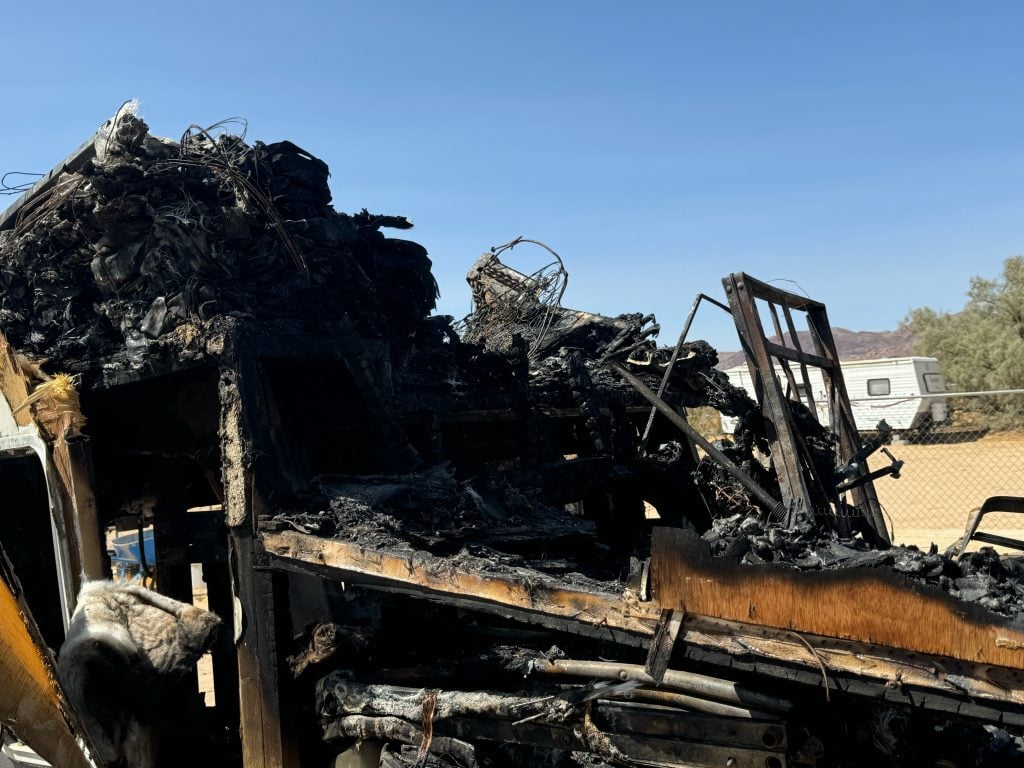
[
  {"x": 497, "y": 542},
  {"x": 147, "y": 240}
]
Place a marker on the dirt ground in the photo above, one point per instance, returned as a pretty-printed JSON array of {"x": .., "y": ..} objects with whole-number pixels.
[{"x": 941, "y": 484}]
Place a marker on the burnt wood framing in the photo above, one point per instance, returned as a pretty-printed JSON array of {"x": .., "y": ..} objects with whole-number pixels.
[
  {"x": 266, "y": 739},
  {"x": 857, "y": 665},
  {"x": 460, "y": 541},
  {"x": 805, "y": 488}
]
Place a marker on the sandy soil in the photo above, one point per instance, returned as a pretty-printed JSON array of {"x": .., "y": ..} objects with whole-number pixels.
[{"x": 941, "y": 484}]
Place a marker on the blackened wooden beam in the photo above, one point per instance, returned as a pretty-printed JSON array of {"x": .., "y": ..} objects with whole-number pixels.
[{"x": 267, "y": 738}]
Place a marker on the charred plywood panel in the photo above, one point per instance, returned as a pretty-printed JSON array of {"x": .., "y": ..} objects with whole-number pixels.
[{"x": 871, "y": 606}]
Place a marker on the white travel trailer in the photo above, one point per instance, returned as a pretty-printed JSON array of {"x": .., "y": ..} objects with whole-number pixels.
[{"x": 908, "y": 392}]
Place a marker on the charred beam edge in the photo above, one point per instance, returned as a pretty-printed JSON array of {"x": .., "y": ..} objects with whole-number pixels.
[
  {"x": 537, "y": 597},
  {"x": 266, "y": 738},
  {"x": 569, "y": 626},
  {"x": 854, "y": 667},
  {"x": 467, "y": 603},
  {"x": 72, "y": 163},
  {"x": 73, "y": 460}
]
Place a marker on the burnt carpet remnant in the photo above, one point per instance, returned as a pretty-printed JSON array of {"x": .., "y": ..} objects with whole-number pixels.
[{"x": 125, "y": 648}]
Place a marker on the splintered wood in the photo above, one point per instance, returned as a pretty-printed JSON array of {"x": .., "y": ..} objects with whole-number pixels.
[
  {"x": 13, "y": 386},
  {"x": 865, "y": 605}
]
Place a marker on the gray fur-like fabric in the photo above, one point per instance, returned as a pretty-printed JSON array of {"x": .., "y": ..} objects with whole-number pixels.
[{"x": 125, "y": 645}]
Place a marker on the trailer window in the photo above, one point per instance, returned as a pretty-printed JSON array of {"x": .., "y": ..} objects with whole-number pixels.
[
  {"x": 27, "y": 539},
  {"x": 933, "y": 383},
  {"x": 878, "y": 387}
]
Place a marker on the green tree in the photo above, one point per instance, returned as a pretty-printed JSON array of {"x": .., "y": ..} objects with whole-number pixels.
[{"x": 981, "y": 347}]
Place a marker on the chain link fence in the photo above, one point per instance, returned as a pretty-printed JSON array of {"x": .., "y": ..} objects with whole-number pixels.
[
  {"x": 952, "y": 464},
  {"x": 956, "y": 451}
]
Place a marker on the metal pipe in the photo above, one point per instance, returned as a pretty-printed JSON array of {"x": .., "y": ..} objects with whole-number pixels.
[
  {"x": 687, "y": 682},
  {"x": 767, "y": 502},
  {"x": 672, "y": 361},
  {"x": 708, "y": 706}
]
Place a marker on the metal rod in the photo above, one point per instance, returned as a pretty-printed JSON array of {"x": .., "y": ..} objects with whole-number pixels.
[
  {"x": 767, "y": 502},
  {"x": 672, "y": 361},
  {"x": 673, "y": 699},
  {"x": 687, "y": 682}
]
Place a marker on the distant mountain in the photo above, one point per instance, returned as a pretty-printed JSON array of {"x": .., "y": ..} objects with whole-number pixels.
[{"x": 852, "y": 345}]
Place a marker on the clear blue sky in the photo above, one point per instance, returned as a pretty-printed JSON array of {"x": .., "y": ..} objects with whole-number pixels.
[{"x": 871, "y": 151}]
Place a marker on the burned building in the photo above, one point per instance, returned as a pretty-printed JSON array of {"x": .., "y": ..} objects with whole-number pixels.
[{"x": 497, "y": 542}]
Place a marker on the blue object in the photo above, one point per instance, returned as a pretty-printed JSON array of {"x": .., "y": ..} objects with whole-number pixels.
[{"x": 126, "y": 548}]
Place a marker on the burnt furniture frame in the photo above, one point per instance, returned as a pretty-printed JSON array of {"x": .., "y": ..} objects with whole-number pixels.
[{"x": 796, "y": 474}]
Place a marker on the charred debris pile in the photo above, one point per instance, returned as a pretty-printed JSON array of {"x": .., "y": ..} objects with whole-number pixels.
[
  {"x": 244, "y": 349},
  {"x": 520, "y": 437},
  {"x": 149, "y": 242}
]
